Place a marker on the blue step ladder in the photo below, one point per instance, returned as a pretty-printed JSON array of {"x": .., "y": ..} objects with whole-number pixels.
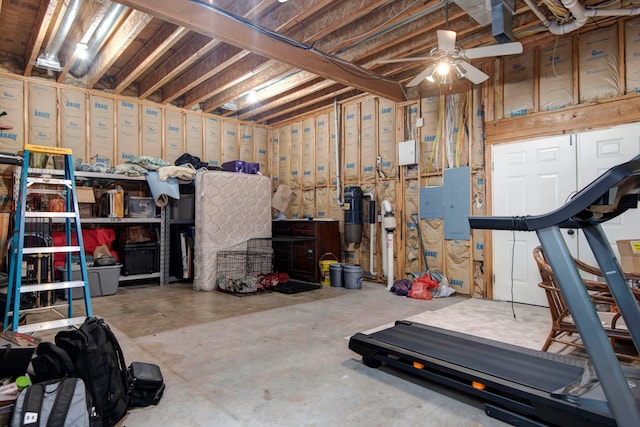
[{"x": 42, "y": 182}]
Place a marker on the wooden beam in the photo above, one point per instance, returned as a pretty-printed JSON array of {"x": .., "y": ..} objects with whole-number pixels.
[
  {"x": 161, "y": 41},
  {"x": 227, "y": 77},
  {"x": 46, "y": 13},
  {"x": 192, "y": 52},
  {"x": 217, "y": 61},
  {"x": 126, "y": 33},
  {"x": 578, "y": 118},
  {"x": 322, "y": 24},
  {"x": 274, "y": 89},
  {"x": 207, "y": 21},
  {"x": 198, "y": 47},
  {"x": 286, "y": 98}
]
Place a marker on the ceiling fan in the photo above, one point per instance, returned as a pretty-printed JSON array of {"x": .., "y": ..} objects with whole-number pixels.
[{"x": 446, "y": 56}]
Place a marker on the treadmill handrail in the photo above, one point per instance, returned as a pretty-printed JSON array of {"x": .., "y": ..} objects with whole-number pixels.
[{"x": 605, "y": 198}]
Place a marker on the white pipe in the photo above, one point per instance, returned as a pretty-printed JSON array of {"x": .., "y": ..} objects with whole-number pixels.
[
  {"x": 388, "y": 226},
  {"x": 371, "y": 240},
  {"x": 383, "y": 241},
  {"x": 337, "y": 130},
  {"x": 580, "y": 14},
  {"x": 371, "y": 248},
  {"x": 390, "y": 260}
]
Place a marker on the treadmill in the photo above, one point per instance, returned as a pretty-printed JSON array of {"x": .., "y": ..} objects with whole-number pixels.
[{"x": 527, "y": 387}]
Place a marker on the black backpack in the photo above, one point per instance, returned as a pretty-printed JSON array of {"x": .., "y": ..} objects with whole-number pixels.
[
  {"x": 51, "y": 362},
  {"x": 98, "y": 360}
]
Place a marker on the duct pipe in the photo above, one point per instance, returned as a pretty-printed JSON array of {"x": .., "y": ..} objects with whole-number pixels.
[
  {"x": 49, "y": 59},
  {"x": 580, "y": 14},
  {"x": 336, "y": 124},
  {"x": 104, "y": 28}
]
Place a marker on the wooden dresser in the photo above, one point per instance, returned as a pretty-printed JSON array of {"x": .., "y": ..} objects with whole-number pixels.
[{"x": 298, "y": 246}]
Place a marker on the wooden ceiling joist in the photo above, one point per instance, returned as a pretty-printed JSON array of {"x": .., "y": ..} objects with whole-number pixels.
[{"x": 199, "y": 18}]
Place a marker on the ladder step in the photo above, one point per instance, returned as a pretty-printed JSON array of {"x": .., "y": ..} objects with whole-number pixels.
[
  {"x": 51, "y": 324},
  {"x": 48, "y": 150},
  {"x": 51, "y": 286},
  {"x": 49, "y": 214},
  {"x": 45, "y": 191},
  {"x": 50, "y": 250},
  {"x": 51, "y": 181},
  {"x": 40, "y": 309}
]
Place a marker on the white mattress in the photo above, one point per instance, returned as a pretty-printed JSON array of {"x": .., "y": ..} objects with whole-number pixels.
[{"x": 231, "y": 208}]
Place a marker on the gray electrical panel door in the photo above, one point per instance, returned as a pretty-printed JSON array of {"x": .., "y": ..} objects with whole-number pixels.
[{"x": 457, "y": 207}]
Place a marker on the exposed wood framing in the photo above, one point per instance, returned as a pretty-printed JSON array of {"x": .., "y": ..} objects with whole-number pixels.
[
  {"x": 130, "y": 28},
  {"x": 46, "y": 14},
  {"x": 198, "y": 18},
  {"x": 577, "y": 118}
]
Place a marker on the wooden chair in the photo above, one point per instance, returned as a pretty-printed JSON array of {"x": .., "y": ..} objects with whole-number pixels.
[{"x": 562, "y": 324}]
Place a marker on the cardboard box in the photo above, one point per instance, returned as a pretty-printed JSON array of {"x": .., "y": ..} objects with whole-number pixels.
[
  {"x": 629, "y": 255},
  {"x": 86, "y": 200}
]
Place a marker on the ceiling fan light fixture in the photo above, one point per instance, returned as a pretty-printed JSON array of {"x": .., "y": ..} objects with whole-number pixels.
[
  {"x": 431, "y": 73},
  {"x": 443, "y": 68},
  {"x": 460, "y": 72}
]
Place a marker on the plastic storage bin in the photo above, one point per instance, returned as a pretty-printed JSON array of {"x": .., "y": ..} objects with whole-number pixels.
[
  {"x": 235, "y": 166},
  {"x": 184, "y": 207},
  {"x": 102, "y": 280},
  {"x": 140, "y": 207},
  {"x": 139, "y": 258}
]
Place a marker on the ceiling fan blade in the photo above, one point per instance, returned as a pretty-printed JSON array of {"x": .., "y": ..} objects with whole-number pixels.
[
  {"x": 411, "y": 59},
  {"x": 472, "y": 73},
  {"x": 446, "y": 40},
  {"x": 420, "y": 77},
  {"x": 494, "y": 50}
]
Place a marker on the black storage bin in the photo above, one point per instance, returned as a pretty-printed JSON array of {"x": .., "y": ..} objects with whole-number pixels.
[{"x": 139, "y": 258}]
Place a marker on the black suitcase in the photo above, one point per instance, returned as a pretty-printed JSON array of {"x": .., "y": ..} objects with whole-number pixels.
[{"x": 146, "y": 384}]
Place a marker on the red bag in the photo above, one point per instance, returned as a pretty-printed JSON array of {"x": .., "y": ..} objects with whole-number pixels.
[{"x": 421, "y": 287}]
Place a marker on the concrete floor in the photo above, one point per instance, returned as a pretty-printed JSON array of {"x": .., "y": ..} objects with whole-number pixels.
[{"x": 275, "y": 359}]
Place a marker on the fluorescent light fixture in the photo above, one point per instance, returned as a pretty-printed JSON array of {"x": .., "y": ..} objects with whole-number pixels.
[{"x": 282, "y": 1}]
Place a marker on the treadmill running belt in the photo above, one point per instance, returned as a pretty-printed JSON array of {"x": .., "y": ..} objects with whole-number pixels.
[{"x": 522, "y": 368}]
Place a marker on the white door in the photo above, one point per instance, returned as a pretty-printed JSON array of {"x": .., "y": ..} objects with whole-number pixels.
[
  {"x": 597, "y": 152},
  {"x": 528, "y": 178}
]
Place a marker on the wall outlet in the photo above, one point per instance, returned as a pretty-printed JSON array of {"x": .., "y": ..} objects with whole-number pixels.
[
  {"x": 379, "y": 160},
  {"x": 419, "y": 122}
]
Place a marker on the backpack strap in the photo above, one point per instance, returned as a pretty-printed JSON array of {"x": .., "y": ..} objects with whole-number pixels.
[
  {"x": 32, "y": 405},
  {"x": 66, "y": 390},
  {"x": 123, "y": 366}
]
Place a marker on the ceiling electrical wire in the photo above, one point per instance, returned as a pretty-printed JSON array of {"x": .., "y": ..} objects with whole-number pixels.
[{"x": 345, "y": 65}]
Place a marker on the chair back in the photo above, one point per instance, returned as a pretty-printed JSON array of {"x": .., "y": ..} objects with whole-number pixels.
[{"x": 557, "y": 304}]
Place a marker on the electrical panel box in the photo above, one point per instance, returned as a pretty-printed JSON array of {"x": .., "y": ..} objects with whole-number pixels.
[
  {"x": 431, "y": 202},
  {"x": 407, "y": 153},
  {"x": 457, "y": 190}
]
